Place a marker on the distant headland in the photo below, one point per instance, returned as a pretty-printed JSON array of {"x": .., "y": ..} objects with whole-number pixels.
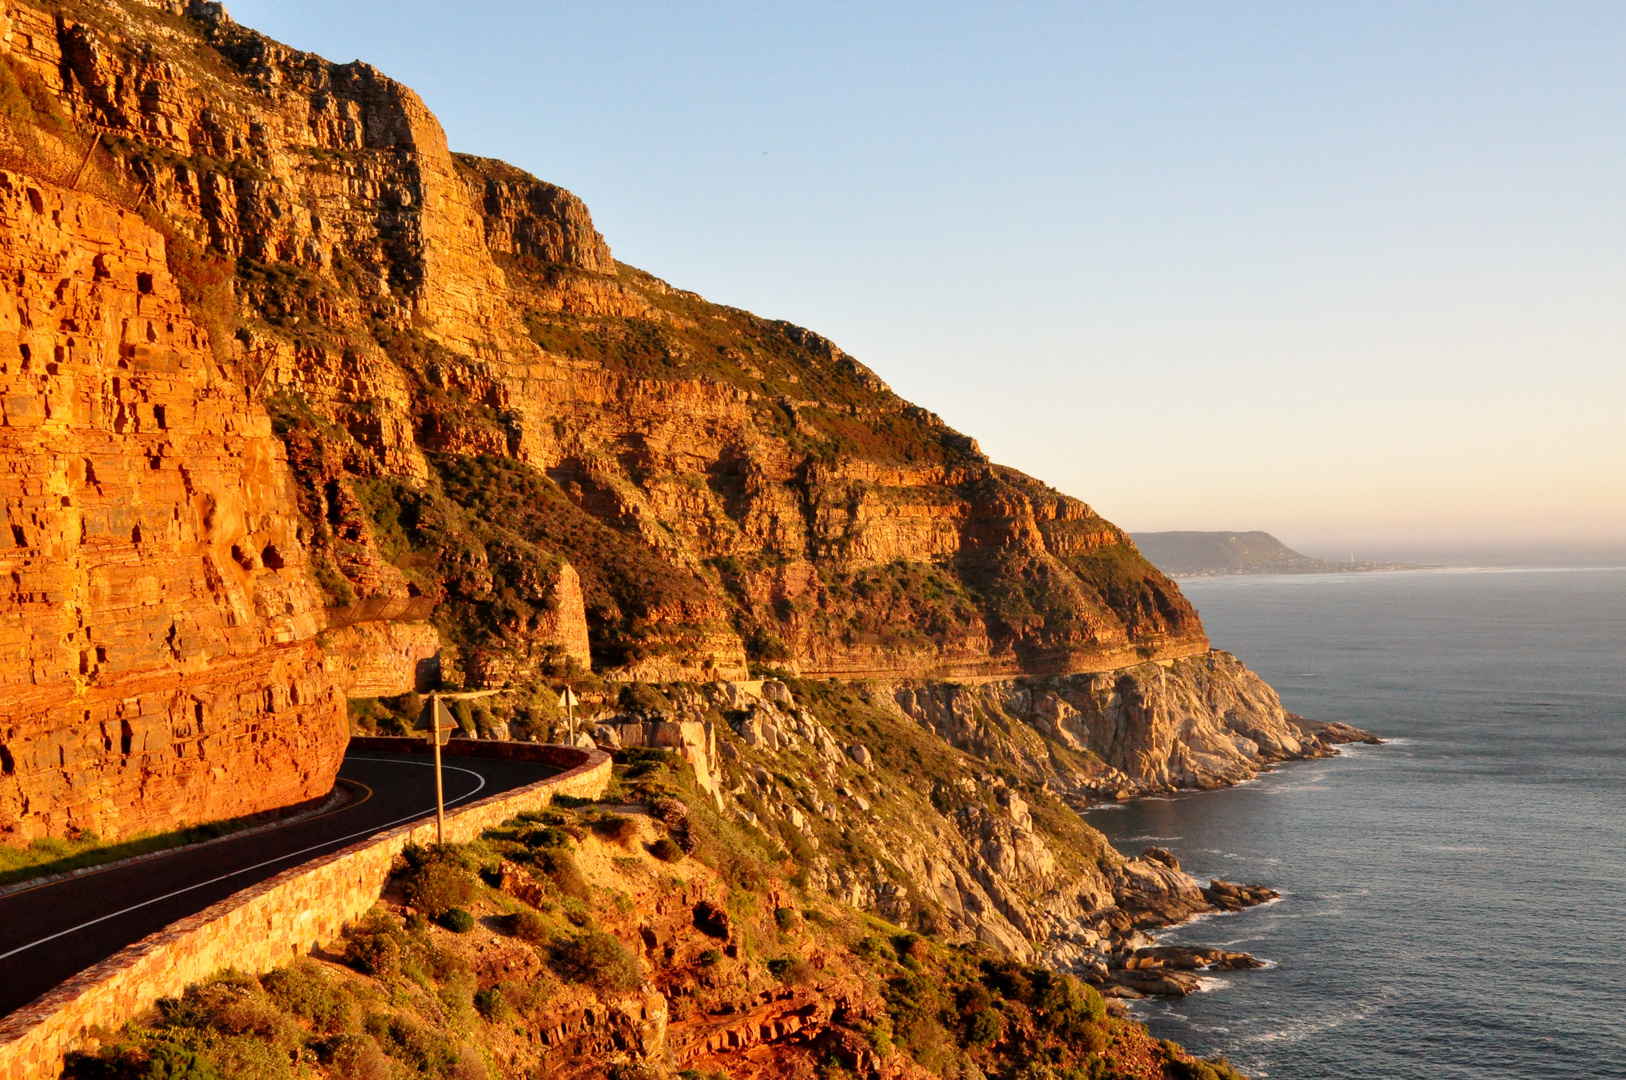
[{"x": 1210, "y": 554}]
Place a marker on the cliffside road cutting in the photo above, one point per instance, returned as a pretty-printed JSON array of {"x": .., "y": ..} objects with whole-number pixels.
[{"x": 55, "y": 930}]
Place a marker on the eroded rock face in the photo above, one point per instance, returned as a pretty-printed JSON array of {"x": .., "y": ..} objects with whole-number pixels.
[
  {"x": 404, "y": 309},
  {"x": 1195, "y": 722},
  {"x": 157, "y": 635},
  {"x": 486, "y": 418},
  {"x": 382, "y": 659},
  {"x": 970, "y": 840}
]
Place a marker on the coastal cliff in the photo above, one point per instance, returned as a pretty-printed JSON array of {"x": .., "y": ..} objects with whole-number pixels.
[
  {"x": 440, "y": 335},
  {"x": 483, "y": 425},
  {"x": 302, "y": 414}
]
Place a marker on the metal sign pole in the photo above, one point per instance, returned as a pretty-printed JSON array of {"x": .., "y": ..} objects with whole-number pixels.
[
  {"x": 567, "y": 698},
  {"x": 440, "y": 790}
]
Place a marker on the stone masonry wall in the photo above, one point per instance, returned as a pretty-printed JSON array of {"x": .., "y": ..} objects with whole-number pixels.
[{"x": 272, "y": 923}]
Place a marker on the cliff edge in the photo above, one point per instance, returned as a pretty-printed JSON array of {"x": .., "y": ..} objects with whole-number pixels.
[{"x": 303, "y": 406}]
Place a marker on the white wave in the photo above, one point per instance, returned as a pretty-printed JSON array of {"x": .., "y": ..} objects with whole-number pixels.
[{"x": 1298, "y": 1030}]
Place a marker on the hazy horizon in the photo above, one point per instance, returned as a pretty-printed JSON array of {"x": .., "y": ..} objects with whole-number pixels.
[
  {"x": 1458, "y": 555},
  {"x": 1349, "y": 273}
]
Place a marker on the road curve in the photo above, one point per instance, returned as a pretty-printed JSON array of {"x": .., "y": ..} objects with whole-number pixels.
[{"x": 53, "y": 931}]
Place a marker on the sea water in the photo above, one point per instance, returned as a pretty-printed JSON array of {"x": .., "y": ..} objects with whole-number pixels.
[{"x": 1453, "y": 902}]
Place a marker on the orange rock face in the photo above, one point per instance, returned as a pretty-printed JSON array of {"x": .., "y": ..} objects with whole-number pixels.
[
  {"x": 157, "y": 652},
  {"x": 729, "y": 488},
  {"x": 391, "y": 384}
]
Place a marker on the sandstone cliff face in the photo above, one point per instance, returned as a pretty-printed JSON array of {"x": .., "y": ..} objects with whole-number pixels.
[
  {"x": 158, "y": 625},
  {"x": 401, "y": 309},
  {"x": 949, "y": 808},
  {"x": 435, "y": 418}
]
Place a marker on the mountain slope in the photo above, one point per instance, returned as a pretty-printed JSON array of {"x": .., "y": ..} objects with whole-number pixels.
[
  {"x": 1202, "y": 554},
  {"x": 499, "y": 453}
]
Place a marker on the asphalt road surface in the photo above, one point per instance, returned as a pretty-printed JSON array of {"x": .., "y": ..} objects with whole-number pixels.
[{"x": 53, "y": 931}]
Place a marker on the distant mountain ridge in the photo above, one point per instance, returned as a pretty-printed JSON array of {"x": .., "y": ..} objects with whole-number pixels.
[{"x": 1208, "y": 554}]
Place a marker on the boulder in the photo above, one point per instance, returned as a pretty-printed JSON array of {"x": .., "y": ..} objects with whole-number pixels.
[{"x": 1157, "y": 854}]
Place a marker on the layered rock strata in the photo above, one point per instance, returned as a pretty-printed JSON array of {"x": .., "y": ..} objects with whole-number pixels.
[
  {"x": 730, "y": 489},
  {"x": 392, "y": 389},
  {"x": 158, "y": 659},
  {"x": 1196, "y": 722}
]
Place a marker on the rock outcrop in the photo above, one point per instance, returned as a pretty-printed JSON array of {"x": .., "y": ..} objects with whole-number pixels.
[
  {"x": 1197, "y": 722},
  {"x": 729, "y": 489},
  {"x": 970, "y": 840},
  {"x": 285, "y": 364},
  {"x": 381, "y": 658},
  {"x": 157, "y": 636}
]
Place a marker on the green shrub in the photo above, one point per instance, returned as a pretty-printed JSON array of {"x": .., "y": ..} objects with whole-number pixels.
[
  {"x": 376, "y": 946},
  {"x": 666, "y": 850},
  {"x": 792, "y": 970},
  {"x": 1182, "y": 1068},
  {"x": 167, "y": 1061},
  {"x": 550, "y": 836},
  {"x": 562, "y": 872},
  {"x": 304, "y": 990},
  {"x": 616, "y": 828},
  {"x": 435, "y": 881},
  {"x": 527, "y": 926},
  {"x": 359, "y": 1058},
  {"x": 599, "y": 959},
  {"x": 985, "y": 1027},
  {"x": 785, "y": 918},
  {"x": 644, "y": 699},
  {"x": 457, "y": 920},
  {"x": 489, "y": 1002}
]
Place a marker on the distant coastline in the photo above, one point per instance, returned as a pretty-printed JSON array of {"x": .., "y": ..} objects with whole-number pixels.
[{"x": 1216, "y": 554}]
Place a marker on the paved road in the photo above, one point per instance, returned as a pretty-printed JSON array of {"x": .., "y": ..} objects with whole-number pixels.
[{"x": 52, "y": 932}]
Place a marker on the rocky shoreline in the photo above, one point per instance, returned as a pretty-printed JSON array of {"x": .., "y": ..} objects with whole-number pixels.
[{"x": 1140, "y": 968}]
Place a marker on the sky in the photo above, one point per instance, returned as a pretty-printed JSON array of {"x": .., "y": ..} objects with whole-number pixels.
[{"x": 1353, "y": 273}]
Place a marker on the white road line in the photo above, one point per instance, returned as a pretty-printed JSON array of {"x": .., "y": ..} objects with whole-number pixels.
[{"x": 268, "y": 862}]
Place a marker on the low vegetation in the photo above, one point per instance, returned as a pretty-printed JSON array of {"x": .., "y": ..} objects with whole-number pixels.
[{"x": 480, "y": 947}]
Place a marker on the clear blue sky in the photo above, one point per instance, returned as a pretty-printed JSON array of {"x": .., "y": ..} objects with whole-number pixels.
[{"x": 1351, "y": 272}]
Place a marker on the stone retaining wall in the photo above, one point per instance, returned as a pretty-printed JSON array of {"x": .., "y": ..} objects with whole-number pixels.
[{"x": 272, "y": 923}]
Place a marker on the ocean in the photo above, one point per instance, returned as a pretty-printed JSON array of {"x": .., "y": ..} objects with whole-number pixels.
[{"x": 1453, "y": 902}]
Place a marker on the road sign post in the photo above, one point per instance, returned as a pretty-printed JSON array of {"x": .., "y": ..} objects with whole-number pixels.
[
  {"x": 438, "y": 733},
  {"x": 568, "y": 701}
]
